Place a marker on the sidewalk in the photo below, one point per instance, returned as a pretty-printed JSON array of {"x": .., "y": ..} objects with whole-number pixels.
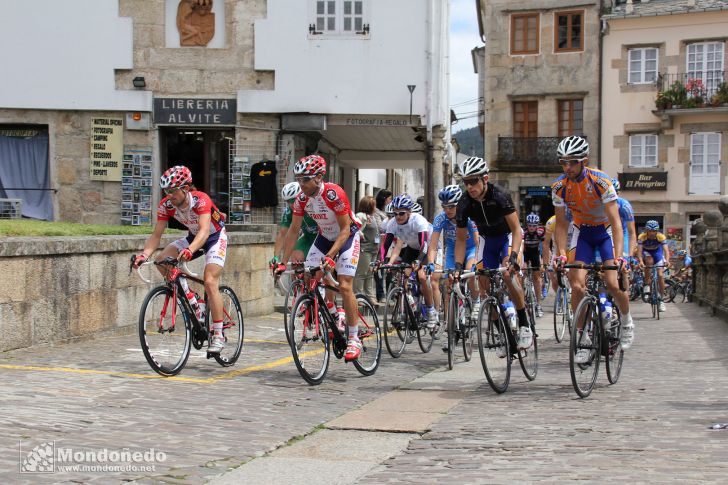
[{"x": 447, "y": 426}]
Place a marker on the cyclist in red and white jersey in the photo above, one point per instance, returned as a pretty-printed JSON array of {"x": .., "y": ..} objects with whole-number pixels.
[
  {"x": 206, "y": 236},
  {"x": 336, "y": 246}
]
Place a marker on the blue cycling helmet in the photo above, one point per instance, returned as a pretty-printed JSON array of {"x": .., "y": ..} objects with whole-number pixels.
[
  {"x": 652, "y": 225},
  {"x": 616, "y": 184},
  {"x": 450, "y": 195},
  {"x": 403, "y": 201},
  {"x": 682, "y": 252},
  {"x": 532, "y": 218}
]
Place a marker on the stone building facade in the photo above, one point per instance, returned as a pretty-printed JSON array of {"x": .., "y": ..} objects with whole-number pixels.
[
  {"x": 539, "y": 70},
  {"x": 668, "y": 153},
  {"x": 127, "y": 61}
]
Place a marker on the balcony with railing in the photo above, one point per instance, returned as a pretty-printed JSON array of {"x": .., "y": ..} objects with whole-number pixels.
[
  {"x": 527, "y": 154},
  {"x": 688, "y": 91}
]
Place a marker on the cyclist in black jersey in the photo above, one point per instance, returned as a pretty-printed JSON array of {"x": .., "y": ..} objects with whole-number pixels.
[
  {"x": 491, "y": 209},
  {"x": 533, "y": 237}
]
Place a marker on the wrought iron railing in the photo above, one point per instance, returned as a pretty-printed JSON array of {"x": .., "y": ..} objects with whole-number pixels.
[
  {"x": 523, "y": 154},
  {"x": 690, "y": 90}
]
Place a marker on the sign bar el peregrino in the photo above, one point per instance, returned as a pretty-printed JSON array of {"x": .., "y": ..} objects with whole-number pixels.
[
  {"x": 195, "y": 111},
  {"x": 643, "y": 181}
]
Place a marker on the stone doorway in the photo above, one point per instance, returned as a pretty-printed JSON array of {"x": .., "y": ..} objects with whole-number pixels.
[{"x": 206, "y": 152}]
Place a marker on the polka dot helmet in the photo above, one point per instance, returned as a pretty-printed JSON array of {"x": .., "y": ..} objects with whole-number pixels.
[
  {"x": 310, "y": 166},
  {"x": 176, "y": 177}
]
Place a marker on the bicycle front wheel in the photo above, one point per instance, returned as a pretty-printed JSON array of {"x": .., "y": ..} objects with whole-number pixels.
[
  {"x": 164, "y": 332},
  {"x": 395, "y": 322},
  {"x": 309, "y": 340},
  {"x": 613, "y": 353},
  {"x": 493, "y": 345},
  {"x": 370, "y": 335},
  {"x": 584, "y": 372},
  {"x": 425, "y": 335},
  {"x": 296, "y": 289},
  {"x": 528, "y": 358},
  {"x": 233, "y": 328}
]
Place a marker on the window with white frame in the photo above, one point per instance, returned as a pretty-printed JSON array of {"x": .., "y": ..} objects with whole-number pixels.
[
  {"x": 705, "y": 62},
  {"x": 642, "y": 65},
  {"x": 339, "y": 17},
  {"x": 643, "y": 151}
]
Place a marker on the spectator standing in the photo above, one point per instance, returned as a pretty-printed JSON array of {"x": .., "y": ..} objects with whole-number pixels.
[{"x": 364, "y": 279}]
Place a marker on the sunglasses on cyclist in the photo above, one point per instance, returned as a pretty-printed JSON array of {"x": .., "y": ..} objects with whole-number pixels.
[
  {"x": 472, "y": 181},
  {"x": 570, "y": 161},
  {"x": 401, "y": 213},
  {"x": 449, "y": 206},
  {"x": 303, "y": 180},
  {"x": 170, "y": 191}
]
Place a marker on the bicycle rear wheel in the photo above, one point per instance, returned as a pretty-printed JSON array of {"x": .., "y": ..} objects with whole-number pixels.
[
  {"x": 309, "y": 340},
  {"x": 528, "y": 358},
  {"x": 613, "y": 353},
  {"x": 451, "y": 330},
  {"x": 425, "y": 335},
  {"x": 395, "y": 322},
  {"x": 165, "y": 335},
  {"x": 467, "y": 328},
  {"x": 493, "y": 345},
  {"x": 296, "y": 289},
  {"x": 370, "y": 335},
  {"x": 559, "y": 314},
  {"x": 584, "y": 375},
  {"x": 233, "y": 328}
]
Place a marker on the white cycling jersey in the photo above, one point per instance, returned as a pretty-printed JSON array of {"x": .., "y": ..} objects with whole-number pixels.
[{"x": 409, "y": 232}]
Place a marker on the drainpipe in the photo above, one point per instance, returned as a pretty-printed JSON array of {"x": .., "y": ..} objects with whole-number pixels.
[
  {"x": 602, "y": 25},
  {"x": 429, "y": 95}
]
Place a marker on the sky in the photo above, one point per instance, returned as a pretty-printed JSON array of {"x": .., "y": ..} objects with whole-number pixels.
[{"x": 464, "y": 36}]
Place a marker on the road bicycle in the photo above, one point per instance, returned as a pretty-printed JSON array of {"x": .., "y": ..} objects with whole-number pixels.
[
  {"x": 654, "y": 298},
  {"x": 405, "y": 313},
  {"x": 314, "y": 332},
  {"x": 168, "y": 325},
  {"x": 563, "y": 314},
  {"x": 460, "y": 327},
  {"x": 296, "y": 288},
  {"x": 498, "y": 334},
  {"x": 636, "y": 283},
  {"x": 529, "y": 291},
  {"x": 594, "y": 332},
  {"x": 675, "y": 287}
]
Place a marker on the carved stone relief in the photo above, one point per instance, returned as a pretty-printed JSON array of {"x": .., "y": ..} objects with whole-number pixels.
[{"x": 195, "y": 22}]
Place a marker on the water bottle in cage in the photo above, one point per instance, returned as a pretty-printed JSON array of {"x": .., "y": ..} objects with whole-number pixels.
[{"x": 202, "y": 306}]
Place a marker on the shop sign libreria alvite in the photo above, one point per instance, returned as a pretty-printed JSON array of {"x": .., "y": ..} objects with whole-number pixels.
[{"x": 106, "y": 149}]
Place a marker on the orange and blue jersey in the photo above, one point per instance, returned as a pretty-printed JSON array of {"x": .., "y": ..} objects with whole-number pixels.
[{"x": 586, "y": 197}]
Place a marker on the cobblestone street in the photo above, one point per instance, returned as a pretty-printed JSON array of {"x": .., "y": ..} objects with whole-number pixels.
[{"x": 651, "y": 427}]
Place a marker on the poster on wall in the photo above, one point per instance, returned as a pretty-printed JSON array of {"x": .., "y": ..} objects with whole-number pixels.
[
  {"x": 136, "y": 186},
  {"x": 674, "y": 238},
  {"x": 106, "y": 149},
  {"x": 240, "y": 190}
]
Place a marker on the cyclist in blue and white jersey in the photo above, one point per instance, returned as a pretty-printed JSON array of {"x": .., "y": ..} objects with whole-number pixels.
[
  {"x": 444, "y": 224},
  {"x": 413, "y": 233}
]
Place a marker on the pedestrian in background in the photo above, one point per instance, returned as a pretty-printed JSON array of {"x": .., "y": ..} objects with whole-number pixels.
[
  {"x": 384, "y": 197},
  {"x": 364, "y": 279}
]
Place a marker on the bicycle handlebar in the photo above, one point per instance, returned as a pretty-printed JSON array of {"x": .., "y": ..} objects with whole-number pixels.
[{"x": 168, "y": 261}]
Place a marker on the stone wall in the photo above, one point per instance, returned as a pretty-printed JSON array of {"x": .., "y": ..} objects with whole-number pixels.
[
  {"x": 61, "y": 288},
  {"x": 710, "y": 259}
]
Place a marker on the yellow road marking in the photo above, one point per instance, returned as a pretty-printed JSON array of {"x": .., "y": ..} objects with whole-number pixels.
[{"x": 199, "y": 380}]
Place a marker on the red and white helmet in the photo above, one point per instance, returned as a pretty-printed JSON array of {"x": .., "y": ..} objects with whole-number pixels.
[
  {"x": 310, "y": 166},
  {"x": 175, "y": 177}
]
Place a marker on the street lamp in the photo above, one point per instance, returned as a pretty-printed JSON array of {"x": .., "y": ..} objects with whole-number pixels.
[{"x": 411, "y": 88}]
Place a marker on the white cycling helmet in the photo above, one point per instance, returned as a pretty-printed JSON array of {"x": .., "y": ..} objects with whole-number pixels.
[
  {"x": 532, "y": 218},
  {"x": 416, "y": 208},
  {"x": 573, "y": 146},
  {"x": 389, "y": 210},
  {"x": 290, "y": 191},
  {"x": 473, "y": 166}
]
